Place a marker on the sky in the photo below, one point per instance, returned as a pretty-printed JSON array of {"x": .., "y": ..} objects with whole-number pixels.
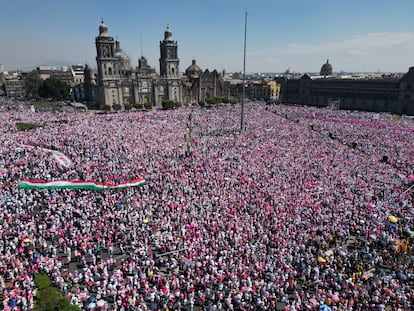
[{"x": 355, "y": 35}]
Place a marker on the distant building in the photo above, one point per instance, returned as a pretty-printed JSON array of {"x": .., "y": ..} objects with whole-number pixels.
[
  {"x": 274, "y": 90},
  {"x": 388, "y": 94},
  {"x": 326, "y": 69},
  {"x": 117, "y": 83},
  {"x": 65, "y": 74},
  {"x": 78, "y": 74},
  {"x": 2, "y": 80},
  {"x": 73, "y": 76},
  {"x": 289, "y": 73},
  {"x": 45, "y": 71},
  {"x": 204, "y": 85},
  {"x": 14, "y": 85},
  {"x": 77, "y": 83}
]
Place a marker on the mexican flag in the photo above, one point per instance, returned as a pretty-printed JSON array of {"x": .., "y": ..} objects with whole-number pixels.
[{"x": 79, "y": 184}]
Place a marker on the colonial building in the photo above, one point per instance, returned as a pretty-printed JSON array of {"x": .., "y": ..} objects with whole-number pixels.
[
  {"x": 388, "y": 94},
  {"x": 14, "y": 86},
  {"x": 205, "y": 85},
  {"x": 116, "y": 82},
  {"x": 274, "y": 89}
]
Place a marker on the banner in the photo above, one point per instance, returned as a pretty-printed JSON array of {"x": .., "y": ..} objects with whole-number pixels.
[
  {"x": 78, "y": 184},
  {"x": 58, "y": 156}
]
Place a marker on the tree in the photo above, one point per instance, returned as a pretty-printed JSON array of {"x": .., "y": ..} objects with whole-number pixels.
[
  {"x": 105, "y": 107},
  {"x": 42, "y": 281},
  {"x": 32, "y": 84},
  {"x": 48, "y": 298},
  {"x": 116, "y": 106},
  {"x": 168, "y": 104},
  {"x": 148, "y": 106},
  {"x": 54, "y": 88},
  {"x": 213, "y": 100},
  {"x": 51, "y": 299}
]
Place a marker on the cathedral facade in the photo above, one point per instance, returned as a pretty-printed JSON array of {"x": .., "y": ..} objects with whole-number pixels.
[{"x": 116, "y": 83}]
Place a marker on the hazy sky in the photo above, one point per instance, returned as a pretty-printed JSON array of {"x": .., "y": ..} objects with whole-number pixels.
[{"x": 355, "y": 35}]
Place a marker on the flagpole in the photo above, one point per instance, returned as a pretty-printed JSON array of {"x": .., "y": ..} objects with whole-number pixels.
[
  {"x": 244, "y": 76},
  {"x": 412, "y": 186}
]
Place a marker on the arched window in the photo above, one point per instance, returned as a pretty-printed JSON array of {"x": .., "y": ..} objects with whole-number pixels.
[{"x": 110, "y": 71}]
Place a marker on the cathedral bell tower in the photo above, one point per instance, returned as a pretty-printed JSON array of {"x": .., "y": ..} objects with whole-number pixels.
[
  {"x": 171, "y": 85},
  {"x": 105, "y": 45},
  {"x": 169, "y": 62}
]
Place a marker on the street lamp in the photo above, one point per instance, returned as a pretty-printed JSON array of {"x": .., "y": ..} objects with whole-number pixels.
[{"x": 244, "y": 76}]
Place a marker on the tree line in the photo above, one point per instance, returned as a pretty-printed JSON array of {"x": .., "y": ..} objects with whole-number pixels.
[{"x": 51, "y": 88}]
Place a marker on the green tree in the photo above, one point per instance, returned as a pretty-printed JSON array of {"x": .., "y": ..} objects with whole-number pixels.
[
  {"x": 54, "y": 88},
  {"x": 116, "y": 106},
  {"x": 213, "y": 100},
  {"x": 32, "y": 84},
  {"x": 49, "y": 298},
  {"x": 105, "y": 107},
  {"x": 168, "y": 104},
  {"x": 137, "y": 106},
  {"x": 42, "y": 281},
  {"x": 52, "y": 300}
]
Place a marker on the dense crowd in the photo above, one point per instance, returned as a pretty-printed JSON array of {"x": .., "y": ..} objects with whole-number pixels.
[{"x": 308, "y": 207}]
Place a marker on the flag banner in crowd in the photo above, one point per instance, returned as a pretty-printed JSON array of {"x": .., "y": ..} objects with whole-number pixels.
[
  {"x": 79, "y": 184},
  {"x": 61, "y": 159},
  {"x": 58, "y": 156}
]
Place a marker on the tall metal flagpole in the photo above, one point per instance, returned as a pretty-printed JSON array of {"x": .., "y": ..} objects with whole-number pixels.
[{"x": 244, "y": 76}]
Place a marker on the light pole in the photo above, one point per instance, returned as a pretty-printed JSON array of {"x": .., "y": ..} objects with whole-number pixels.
[{"x": 244, "y": 76}]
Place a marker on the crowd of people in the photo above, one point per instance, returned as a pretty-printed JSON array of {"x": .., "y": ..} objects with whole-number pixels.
[{"x": 307, "y": 207}]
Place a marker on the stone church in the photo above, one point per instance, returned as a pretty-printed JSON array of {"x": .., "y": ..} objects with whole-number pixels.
[{"x": 116, "y": 82}]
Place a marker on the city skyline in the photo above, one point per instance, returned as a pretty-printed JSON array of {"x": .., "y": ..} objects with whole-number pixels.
[{"x": 354, "y": 35}]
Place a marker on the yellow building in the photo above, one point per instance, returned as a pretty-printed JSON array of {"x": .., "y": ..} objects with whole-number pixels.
[{"x": 274, "y": 90}]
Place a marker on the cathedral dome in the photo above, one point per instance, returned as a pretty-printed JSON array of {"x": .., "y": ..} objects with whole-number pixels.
[
  {"x": 121, "y": 55},
  {"x": 103, "y": 29},
  {"x": 326, "y": 69},
  {"x": 193, "y": 70},
  {"x": 168, "y": 34}
]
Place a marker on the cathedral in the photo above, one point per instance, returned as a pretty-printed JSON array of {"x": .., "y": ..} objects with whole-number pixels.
[{"x": 116, "y": 83}]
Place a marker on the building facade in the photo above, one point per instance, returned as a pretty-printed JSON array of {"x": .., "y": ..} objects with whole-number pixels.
[
  {"x": 388, "y": 94},
  {"x": 14, "y": 86},
  {"x": 117, "y": 84},
  {"x": 274, "y": 90}
]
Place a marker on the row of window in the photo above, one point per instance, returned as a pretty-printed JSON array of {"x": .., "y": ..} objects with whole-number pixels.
[{"x": 344, "y": 102}]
